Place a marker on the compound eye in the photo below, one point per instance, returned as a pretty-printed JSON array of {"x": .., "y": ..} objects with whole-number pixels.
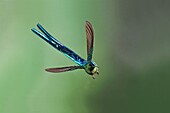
[
  {"x": 90, "y": 65},
  {"x": 91, "y": 69}
]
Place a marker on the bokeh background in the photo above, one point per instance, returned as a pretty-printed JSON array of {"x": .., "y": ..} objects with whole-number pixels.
[{"x": 132, "y": 50}]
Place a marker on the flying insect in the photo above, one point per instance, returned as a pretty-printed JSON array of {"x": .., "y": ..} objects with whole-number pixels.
[{"x": 88, "y": 65}]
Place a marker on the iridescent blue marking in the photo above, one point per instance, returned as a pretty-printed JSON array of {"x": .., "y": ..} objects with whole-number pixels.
[{"x": 59, "y": 46}]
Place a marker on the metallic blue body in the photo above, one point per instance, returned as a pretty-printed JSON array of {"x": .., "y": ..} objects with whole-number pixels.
[{"x": 59, "y": 46}]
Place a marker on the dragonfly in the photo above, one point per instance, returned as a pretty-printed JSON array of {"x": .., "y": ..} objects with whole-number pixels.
[{"x": 88, "y": 65}]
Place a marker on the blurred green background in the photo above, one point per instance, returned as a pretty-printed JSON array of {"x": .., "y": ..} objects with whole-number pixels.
[{"x": 132, "y": 50}]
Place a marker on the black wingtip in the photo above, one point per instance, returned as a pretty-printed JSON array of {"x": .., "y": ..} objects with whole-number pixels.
[
  {"x": 47, "y": 70},
  {"x": 50, "y": 70}
]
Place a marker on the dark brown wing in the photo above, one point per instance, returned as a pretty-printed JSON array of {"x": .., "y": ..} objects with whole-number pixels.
[
  {"x": 63, "y": 69},
  {"x": 90, "y": 40}
]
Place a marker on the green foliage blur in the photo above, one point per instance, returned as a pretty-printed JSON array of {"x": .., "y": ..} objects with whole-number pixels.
[{"x": 132, "y": 50}]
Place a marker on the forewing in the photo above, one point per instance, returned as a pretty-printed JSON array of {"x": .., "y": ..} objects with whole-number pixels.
[
  {"x": 56, "y": 44},
  {"x": 40, "y": 34},
  {"x": 90, "y": 40},
  {"x": 63, "y": 69}
]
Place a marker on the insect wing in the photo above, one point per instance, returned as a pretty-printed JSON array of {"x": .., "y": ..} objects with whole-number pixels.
[
  {"x": 56, "y": 44},
  {"x": 63, "y": 69},
  {"x": 90, "y": 40}
]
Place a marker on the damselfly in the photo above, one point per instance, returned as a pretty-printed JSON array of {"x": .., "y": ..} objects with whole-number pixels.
[{"x": 88, "y": 65}]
